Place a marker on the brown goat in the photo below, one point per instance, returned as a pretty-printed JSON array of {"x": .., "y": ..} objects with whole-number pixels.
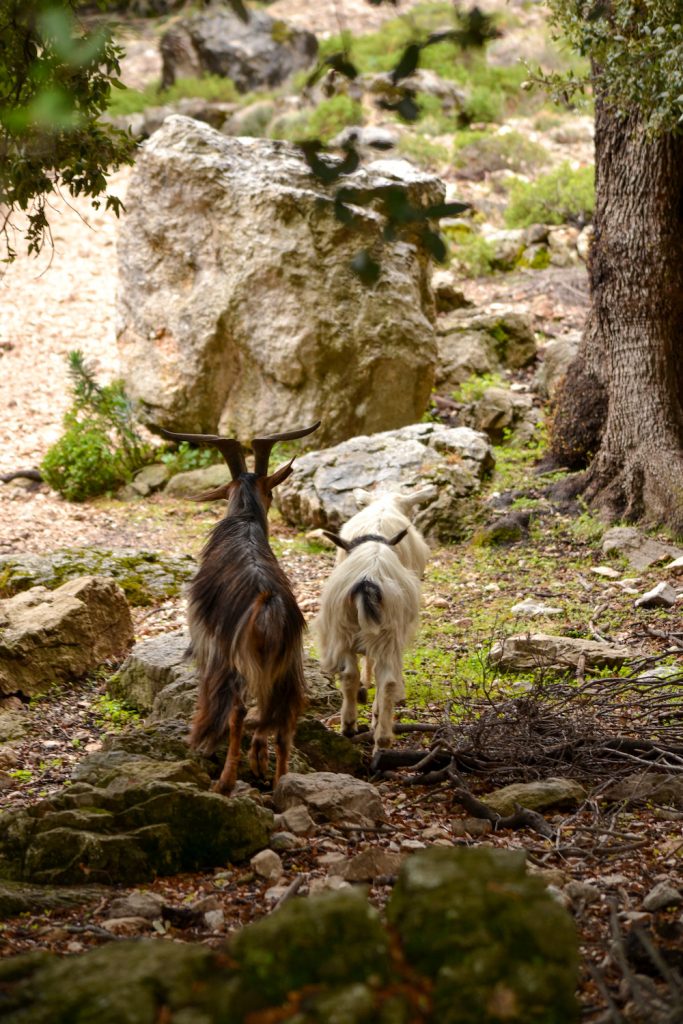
[{"x": 245, "y": 624}]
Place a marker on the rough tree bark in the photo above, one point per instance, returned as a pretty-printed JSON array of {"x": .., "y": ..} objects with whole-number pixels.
[{"x": 621, "y": 407}]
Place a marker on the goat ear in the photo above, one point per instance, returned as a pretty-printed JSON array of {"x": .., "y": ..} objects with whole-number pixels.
[
  {"x": 214, "y": 495},
  {"x": 362, "y": 497},
  {"x": 336, "y": 539},
  {"x": 413, "y": 498},
  {"x": 279, "y": 475},
  {"x": 397, "y": 538}
]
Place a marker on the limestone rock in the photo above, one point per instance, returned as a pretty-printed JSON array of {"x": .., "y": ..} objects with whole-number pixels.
[
  {"x": 320, "y": 491},
  {"x": 150, "y": 479},
  {"x": 152, "y": 665},
  {"x": 540, "y": 650},
  {"x": 647, "y": 788},
  {"x": 372, "y": 863},
  {"x": 640, "y": 551},
  {"x": 196, "y": 349},
  {"x": 52, "y": 636},
  {"x": 476, "y": 342},
  {"x": 258, "y": 53},
  {"x": 487, "y": 935},
  {"x": 664, "y": 894},
  {"x": 144, "y": 576},
  {"x": 137, "y": 904},
  {"x": 500, "y": 411},
  {"x": 558, "y": 355},
  {"x": 662, "y": 595},
  {"x": 332, "y": 797},
  {"x": 327, "y": 750},
  {"x": 23, "y": 898},
  {"x": 267, "y": 864},
  {"x": 447, "y": 295},
  {"x": 536, "y": 795},
  {"x": 195, "y": 481},
  {"x": 530, "y": 608}
]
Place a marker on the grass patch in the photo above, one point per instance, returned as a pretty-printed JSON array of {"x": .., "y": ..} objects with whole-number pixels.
[
  {"x": 322, "y": 122},
  {"x": 211, "y": 88},
  {"x": 563, "y": 196},
  {"x": 422, "y": 151}
]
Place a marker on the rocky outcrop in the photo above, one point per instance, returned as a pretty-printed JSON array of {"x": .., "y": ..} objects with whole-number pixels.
[
  {"x": 473, "y": 938},
  {"x": 48, "y": 637},
  {"x": 129, "y": 831},
  {"x": 455, "y": 459},
  {"x": 256, "y": 52},
  {"x": 331, "y": 796},
  {"x": 475, "y": 342},
  {"x": 238, "y": 305},
  {"x": 145, "y": 577}
]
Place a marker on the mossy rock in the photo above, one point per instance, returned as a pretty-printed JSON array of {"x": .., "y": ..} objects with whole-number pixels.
[
  {"x": 325, "y": 750},
  {"x": 494, "y": 942},
  {"x": 129, "y": 835},
  {"x": 121, "y": 983},
  {"x": 145, "y": 577},
  {"x": 333, "y": 940},
  {"x": 23, "y": 898}
]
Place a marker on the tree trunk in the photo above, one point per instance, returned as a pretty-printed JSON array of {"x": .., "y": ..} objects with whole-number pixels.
[{"x": 621, "y": 406}]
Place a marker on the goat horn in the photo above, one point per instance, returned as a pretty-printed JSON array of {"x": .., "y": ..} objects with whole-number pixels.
[
  {"x": 262, "y": 446},
  {"x": 229, "y": 447}
]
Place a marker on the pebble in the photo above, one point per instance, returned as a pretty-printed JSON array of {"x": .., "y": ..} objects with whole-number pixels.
[{"x": 215, "y": 920}]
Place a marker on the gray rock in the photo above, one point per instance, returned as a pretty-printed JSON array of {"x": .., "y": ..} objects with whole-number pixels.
[
  {"x": 196, "y": 349},
  {"x": 320, "y": 491},
  {"x": 137, "y": 904},
  {"x": 126, "y": 925},
  {"x": 447, "y": 295},
  {"x": 536, "y": 795},
  {"x": 215, "y": 920},
  {"x": 23, "y": 898},
  {"x": 298, "y": 820},
  {"x": 251, "y": 121},
  {"x": 452, "y": 96},
  {"x": 582, "y": 892},
  {"x": 475, "y": 342},
  {"x": 332, "y": 797},
  {"x": 150, "y": 479},
  {"x": 530, "y": 608},
  {"x": 369, "y": 865},
  {"x": 558, "y": 354},
  {"x": 257, "y": 54},
  {"x": 151, "y": 666},
  {"x": 267, "y": 864},
  {"x": 540, "y": 650},
  {"x": 662, "y": 595},
  {"x": 663, "y": 895},
  {"x": 640, "y": 551},
  {"x": 283, "y": 842},
  {"x": 49, "y": 637},
  {"x": 647, "y": 788},
  {"x": 507, "y": 245},
  {"x": 562, "y": 245},
  {"x": 195, "y": 481},
  {"x": 500, "y": 412},
  {"x": 13, "y": 724}
]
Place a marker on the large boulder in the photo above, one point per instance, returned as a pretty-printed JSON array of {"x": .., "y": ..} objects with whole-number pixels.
[
  {"x": 258, "y": 52},
  {"x": 48, "y": 637},
  {"x": 320, "y": 492},
  {"x": 238, "y": 305}
]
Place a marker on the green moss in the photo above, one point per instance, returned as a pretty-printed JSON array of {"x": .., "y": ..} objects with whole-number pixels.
[{"x": 562, "y": 196}]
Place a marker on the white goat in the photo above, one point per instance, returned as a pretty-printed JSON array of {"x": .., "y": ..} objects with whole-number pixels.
[
  {"x": 386, "y": 515},
  {"x": 369, "y": 605}
]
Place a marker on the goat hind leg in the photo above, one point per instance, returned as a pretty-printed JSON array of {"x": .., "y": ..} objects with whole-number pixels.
[
  {"x": 258, "y": 753},
  {"x": 228, "y": 777},
  {"x": 389, "y": 682},
  {"x": 350, "y": 684}
]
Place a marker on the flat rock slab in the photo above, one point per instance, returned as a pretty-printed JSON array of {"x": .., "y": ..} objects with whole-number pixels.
[
  {"x": 144, "y": 576},
  {"x": 536, "y": 796},
  {"x": 50, "y": 636},
  {"x": 648, "y": 788},
  {"x": 23, "y": 898},
  {"x": 540, "y": 650},
  {"x": 320, "y": 491},
  {"x": 331, "y": 797},
  {"x": 640, "y": 551},
  {"x": 372, "y": 863}
]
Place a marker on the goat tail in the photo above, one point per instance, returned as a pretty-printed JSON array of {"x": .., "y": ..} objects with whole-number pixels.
[
  {"x": 367, "y": 597},
  {"x": 266, "y": 648},
  {"x": 218, "y": 690}
]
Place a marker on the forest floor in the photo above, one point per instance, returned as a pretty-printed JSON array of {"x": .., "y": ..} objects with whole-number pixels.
[{"x": 604, "y": 857}]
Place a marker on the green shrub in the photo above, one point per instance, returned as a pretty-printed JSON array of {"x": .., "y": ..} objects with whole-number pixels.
[
  {"x": 187, "y": 457},
  {"x": 100, "y": 448},
  {"x": 483, "y": 152},
  {"x": 562, "y": 196},
  {"x": 422, "y": 151},
  {"x": 476, "y": 256},
  {"x": 323, "y": 122}
]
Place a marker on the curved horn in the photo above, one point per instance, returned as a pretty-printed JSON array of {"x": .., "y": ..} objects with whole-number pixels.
[
  {"x": 262, "y": 446},
  {"x": 230, "y": 449}
]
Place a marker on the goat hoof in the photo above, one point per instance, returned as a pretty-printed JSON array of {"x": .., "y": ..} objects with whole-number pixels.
[
  {"x": 350, "y": 730},
  {"x": 224, "y": 788}
]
